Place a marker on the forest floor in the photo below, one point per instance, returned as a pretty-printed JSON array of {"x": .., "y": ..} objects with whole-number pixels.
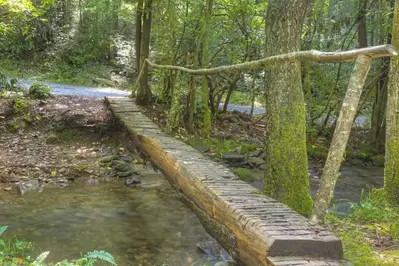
[
  {"x": 367, "y": 226},
  {"x": 38, "y": 141}
]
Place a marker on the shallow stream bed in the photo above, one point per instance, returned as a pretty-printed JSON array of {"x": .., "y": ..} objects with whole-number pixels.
[
  {"x": 139, "y": 226},
  {"x": 57, "y": 191}
]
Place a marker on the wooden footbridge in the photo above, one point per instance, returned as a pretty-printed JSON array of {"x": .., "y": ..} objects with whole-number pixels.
[{"x": 255, "y": 229}]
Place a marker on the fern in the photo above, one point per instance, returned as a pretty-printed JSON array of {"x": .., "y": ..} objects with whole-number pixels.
[
  {"x": 101, "y": 255},
  {"x": 40, "y": 259},
  {"x": 3, "y": 229}
]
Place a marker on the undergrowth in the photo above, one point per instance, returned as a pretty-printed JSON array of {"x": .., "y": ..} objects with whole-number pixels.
[
  {"x": 13, "y": 252},
  {"x": 56, "y": 71},
  {"x": 371, "y": 222}
]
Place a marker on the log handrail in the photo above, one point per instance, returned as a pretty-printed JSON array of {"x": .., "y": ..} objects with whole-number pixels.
[{"x": 311, "y": 55}]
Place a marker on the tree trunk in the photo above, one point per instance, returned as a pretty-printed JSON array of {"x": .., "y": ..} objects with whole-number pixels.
[
  {"x": 341, "y": 135},
  {"x": 391, "y": 172},
  {"x": 253, "y": 92},
  {"x": 286, "y": 174},
  {"x": 379, "y": 106},
  {"x": 207, "y": 121},
  {"x": 137, "y": 40},
  {"x": 143, "y": 96},
  {"x": 361, "y": 28},
  {"x": 232, "y": 86},
  {"x": 380, "y": 100}
]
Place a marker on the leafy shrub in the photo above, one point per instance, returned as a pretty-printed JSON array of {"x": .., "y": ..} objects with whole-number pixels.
[
  {"x": 39, "y": 90},
  {"x": 12, "y": 252},
  {"x": 372, "y": 208},
  {"x": 20, "y": 106}
]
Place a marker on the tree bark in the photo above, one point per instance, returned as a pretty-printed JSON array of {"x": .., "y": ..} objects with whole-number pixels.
[
  {"x": 379, "y": 106},
  {"x": 143, "y": 96},
  {"x": 137, "y": 40},
  {"x": 341, "y": 135},
  {"x": 361, "y": 28},
  {"x": 207, "y": 120},
  {"x": 286, "y": 174},
  {"x": 391, "y": 172},
  {"x": 253, "y": 93},
  {"x": 232, "y": 86},
  {"x": 271, "y": 61}
]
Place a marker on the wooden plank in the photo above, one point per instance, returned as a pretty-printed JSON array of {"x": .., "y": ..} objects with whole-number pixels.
[{"x": 250, "y": 226}]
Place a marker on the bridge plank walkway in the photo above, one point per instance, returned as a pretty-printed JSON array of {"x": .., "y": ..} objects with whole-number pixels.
[{"x": 255, "y": 229}]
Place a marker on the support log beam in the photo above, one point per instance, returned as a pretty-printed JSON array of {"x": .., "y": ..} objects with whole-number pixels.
[{"x": 341, "y": 135}]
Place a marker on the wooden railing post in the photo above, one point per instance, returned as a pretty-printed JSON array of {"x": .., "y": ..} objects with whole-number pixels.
[{"x": 341, "y": 135}]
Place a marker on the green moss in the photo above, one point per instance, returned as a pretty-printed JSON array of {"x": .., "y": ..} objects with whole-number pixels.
[
  {"x": 244, "y": 174},
  {"x": 199, "y": 144},
  {"x": 356, "y": 248},
  {"x": 20, "y": 106},
  {"x": 51, "y": 139},
  {"x": 68, "y": 135},
  {"x": 286, "y": 174},
  {"x": 378, "y": 160},
  {"x": 13, "y": 127}
]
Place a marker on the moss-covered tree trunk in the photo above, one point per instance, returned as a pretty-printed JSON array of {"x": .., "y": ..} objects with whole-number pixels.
[
  {"x": 391, "y": 172},
  {"x": 143, "y": 95},
  {"x": 341, "y": 135},
  {"x": 286, "y": 174}
]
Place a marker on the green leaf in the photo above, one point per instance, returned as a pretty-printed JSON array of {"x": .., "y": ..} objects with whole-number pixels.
[
  {"x": 3, "y": 229},
  {"x": 101, "y": 255},
  {"x": 2, "y": 243}
]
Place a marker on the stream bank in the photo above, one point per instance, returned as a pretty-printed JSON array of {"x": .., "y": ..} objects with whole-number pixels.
[{"x": 63, "y": 185}]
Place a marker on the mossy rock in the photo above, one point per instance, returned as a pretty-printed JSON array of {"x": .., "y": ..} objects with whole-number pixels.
[
  {"x": 378, "y": 160},
  {"x": 199, "y": 144},
  {"x": 244, "y": 174}
]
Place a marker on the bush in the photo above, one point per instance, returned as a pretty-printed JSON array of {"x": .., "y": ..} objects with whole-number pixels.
[
  {"x": 373, "y": 209},
  {"x": 39, "y": 90}
]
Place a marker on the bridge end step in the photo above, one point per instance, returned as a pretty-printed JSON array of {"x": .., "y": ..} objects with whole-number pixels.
[{"x": 299, "y": 261}]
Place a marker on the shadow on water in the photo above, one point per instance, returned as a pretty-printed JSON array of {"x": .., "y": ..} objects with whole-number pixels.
[{"x": 139, "y": 226}]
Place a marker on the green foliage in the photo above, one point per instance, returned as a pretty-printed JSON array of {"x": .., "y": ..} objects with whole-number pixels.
[
  {"x": 101, "y": 255},
  {"x": 244, "y": 174},
  {"x": 219, "y": 147},
  {"x": 357, "y": 250},
  {"x": 39, "y": 90},
  {"x": 317, "y": 151},
  {"x": 13, "y": 252},
  {"x": 372, "y": 208},
  {"x": 20, "y": 106}
]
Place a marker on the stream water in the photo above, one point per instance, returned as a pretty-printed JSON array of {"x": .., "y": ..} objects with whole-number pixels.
[{"x": 139, "y": 226}]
